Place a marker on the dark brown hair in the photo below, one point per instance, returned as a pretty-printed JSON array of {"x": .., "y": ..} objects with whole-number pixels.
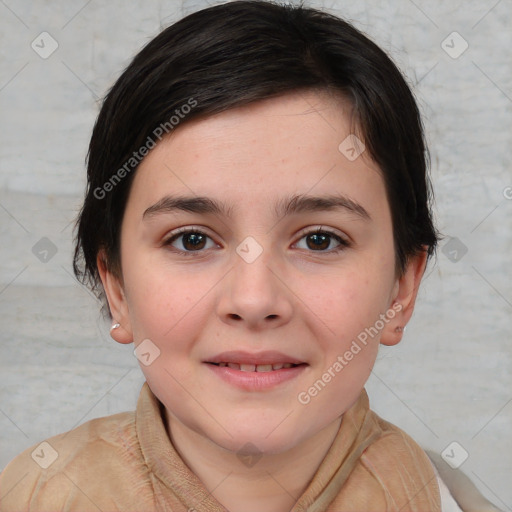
[{"x": 233, "y": 54}]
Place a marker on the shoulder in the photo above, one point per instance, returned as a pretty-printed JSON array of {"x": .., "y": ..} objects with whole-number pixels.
[
  {"x": 71, "y": 466},
  {"x": 399, "y": 465},
  {"x": 396, "y": 444}
]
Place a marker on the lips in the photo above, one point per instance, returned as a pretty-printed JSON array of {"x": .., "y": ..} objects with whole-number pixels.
[
  {"x": 255, "y": 372},
  {"x": 256, "y": 367},
  {"x": 255, "y": 362}
]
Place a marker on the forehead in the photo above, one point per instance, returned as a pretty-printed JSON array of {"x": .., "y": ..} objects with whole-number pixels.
[{"x": 248, "y": 156}]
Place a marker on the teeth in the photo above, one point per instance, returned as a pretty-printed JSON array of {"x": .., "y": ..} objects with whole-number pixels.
[
  {"x": 256, "y": 367},
  {"x": 264, "y": 368}
]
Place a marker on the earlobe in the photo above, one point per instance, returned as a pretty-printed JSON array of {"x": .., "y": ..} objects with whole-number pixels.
[
  {"x": 394, "y": 330},
  {"x": 119, "y": 334},
  {"x": 404, "y": 294},
  {"x": 121, "y": 327}
]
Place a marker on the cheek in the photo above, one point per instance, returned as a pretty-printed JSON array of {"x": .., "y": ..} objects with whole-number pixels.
[
  {"x": 347, "y": 325},
  {"x": 162, "y": 301},
  {"x": 347, "y": 301}
]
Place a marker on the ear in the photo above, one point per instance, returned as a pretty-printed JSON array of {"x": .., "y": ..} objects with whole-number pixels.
[
  {"x": 116, "y": 300},
  {"x": 404, "y": 296}
]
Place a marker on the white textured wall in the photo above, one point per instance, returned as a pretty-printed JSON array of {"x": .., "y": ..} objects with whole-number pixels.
[{"x": 451, "y": 377}]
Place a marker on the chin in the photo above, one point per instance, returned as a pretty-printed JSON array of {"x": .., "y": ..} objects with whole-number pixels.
[
  {"x": 256, "y": 446},
  {"x": 264, "y": 438}
]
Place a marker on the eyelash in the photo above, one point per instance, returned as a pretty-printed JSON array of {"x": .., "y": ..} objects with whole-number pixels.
[{"x": 343, "y": 243}]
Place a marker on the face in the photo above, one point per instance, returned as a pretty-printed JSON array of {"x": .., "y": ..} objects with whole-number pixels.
[{"x": 255, "y": 299}]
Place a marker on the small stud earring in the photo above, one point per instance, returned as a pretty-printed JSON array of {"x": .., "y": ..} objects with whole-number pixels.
[
  {"x": 115, "y": 326},
  {"x": 399, "y": 329}
]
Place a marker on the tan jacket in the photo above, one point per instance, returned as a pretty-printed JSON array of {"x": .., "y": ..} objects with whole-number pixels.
[{"x": 126, "y": 462}]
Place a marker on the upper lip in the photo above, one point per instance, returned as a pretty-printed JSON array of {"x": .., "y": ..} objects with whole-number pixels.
[{"x": 257, "y": 358}]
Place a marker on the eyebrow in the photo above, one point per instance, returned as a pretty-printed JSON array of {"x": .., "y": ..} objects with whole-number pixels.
[{"x": 294, "y": 204}]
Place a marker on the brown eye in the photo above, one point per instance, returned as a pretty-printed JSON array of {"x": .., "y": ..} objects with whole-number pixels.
[
  {"x": 189, "y": 241},
  {"x": 193, "y": 241},
  {"x": 318, "y": 241},
  {"x": 322, "y": 241}
]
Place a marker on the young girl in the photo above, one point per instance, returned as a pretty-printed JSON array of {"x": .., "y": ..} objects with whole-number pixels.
[{"x": 257, "y": 221}]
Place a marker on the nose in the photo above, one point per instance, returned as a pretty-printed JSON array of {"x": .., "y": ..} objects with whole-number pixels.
[{"x": 256, "y": 294}]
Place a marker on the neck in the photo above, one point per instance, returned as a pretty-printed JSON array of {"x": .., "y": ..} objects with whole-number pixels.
[{"x": 270, "y": 482}]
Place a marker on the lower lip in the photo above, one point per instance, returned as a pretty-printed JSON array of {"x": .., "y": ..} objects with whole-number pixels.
[{"x": 256, "y": 381}]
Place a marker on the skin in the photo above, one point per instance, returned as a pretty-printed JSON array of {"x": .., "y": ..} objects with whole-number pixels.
[{"x": 304, "y": 302}]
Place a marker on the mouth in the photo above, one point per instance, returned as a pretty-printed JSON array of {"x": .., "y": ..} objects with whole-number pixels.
[
  {"x": 256, "y": 367},
  {"x": 255, "y": 371}
]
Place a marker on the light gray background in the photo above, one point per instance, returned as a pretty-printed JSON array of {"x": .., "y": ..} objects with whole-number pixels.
[{"x": 450, "y": 378}]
